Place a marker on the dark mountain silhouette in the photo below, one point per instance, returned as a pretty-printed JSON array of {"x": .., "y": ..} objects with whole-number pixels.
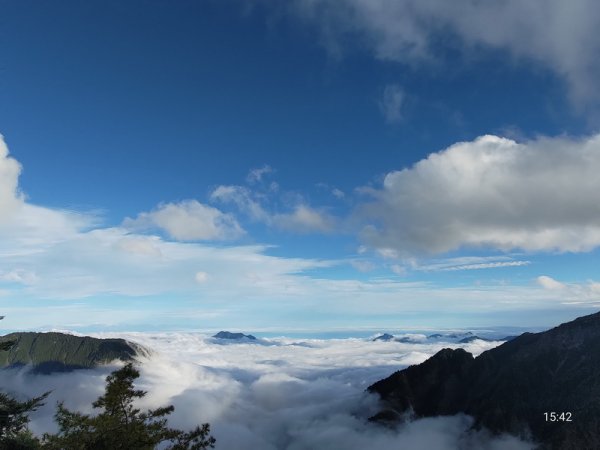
[
  {"x": 529, "y": 386},
  {"x": 384, "y": 337},
  {"x": 435, "y": 336},
  {"x": 59, "y": 352},
  {"x": 229, "y": 335}
]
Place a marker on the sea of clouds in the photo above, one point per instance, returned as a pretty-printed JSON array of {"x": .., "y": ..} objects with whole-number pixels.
[{"x": 280, "y": 393}]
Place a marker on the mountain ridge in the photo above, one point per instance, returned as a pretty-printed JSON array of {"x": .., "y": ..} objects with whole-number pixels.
[
  {"x": 59, "y": 352},
  {"x": 511, "y": 388}
]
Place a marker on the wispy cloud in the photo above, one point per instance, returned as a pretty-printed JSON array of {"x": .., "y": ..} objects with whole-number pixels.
[
  {"x": 391, "y": 103},
  {"x": 244, "y": 199},
  {"x": 256, "y": 175},
  {"x": 493, "y": 265},
  {"x": 300, "y": 217},
  {"x": 470, "y": 263},
  {"x": 557, "y": 38},
  {"x": 587, "y": 293}
]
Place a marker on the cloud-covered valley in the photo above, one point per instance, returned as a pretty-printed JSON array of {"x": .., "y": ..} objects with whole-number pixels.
[{"x": 276, "y": 394}]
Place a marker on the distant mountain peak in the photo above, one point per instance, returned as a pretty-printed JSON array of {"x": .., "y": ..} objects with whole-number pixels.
[
  {"x": 384, "y": 337},
  {"x": 60, "y": 352},
  {"x": 233, "y": 336}
]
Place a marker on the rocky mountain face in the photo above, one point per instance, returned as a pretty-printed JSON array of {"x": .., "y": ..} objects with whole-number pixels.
[
  {"x": 542, "y": 386},
  {"x": 59, "y": 352}
]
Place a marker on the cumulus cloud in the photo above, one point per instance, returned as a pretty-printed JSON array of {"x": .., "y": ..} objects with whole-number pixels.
[
  {"x": 288, "y": 395},
  {"x": 10, "y": 170},
  {"x": 391, "y": 103},
  {"x": 188, "y": 220},
  {"x": 492, "y": 192},
  {"x": 559, "y": 37},
  {"x": 62, "y": 268}
]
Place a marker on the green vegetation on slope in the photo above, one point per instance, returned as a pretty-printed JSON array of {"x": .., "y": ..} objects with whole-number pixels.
[{"x": 51, "y": 352}]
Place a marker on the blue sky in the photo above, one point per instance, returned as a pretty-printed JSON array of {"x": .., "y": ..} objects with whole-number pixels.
[{"x": 311, "y": 165}]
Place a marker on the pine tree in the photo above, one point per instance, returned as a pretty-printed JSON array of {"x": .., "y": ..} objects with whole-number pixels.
[
  {"x": 13, "y": 422},
  {"x": 14, "y": 417},
  {"x": 120, "y": 425}
]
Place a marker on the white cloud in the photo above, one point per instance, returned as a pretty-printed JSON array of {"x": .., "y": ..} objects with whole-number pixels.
[
  {"x": 338, "y": 193},
  {"x": 201, "y": 277},
  {"x": 188, "y": 220},
  {"x": 114, "y": 261},
  {"x": 26, "y": 228},
  {"x": 559, "y": 36},
  {"x": 244, "y": 200},
  {"x": 140, "y": 245},
  {"x": 18, "y": 276},
  {"x": 387, "y": 253},
  {"x": 61, "y": 268},
  {"x": 398, "y": 269},
  {"x": 391, "y": 103},
  {"x": 587, "y": 293},
  {"x": 362, "y": 265},
  {"x": 540, "y": 195},
  {"x": 256, "y": 175},
  {"x": 304, "y": 219},
  {"x": 10, "y": 169},
  {"x": 470, "y": 263},
  {"x": 491, "y": 265},
  {"x": 290, "y": 394},
  {"x": 549, "y": 283}
]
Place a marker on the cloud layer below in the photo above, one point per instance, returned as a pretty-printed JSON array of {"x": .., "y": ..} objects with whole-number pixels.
[{"x": 281, "y": 394}]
